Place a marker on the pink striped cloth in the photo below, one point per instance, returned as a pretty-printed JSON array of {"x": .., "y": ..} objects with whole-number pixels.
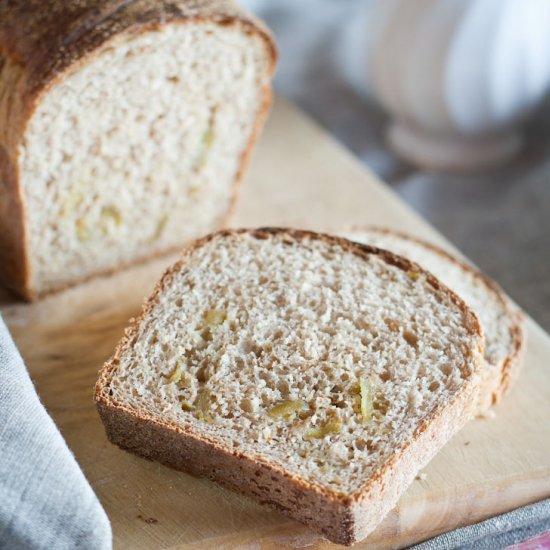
[{"x": 540, "y": 542}]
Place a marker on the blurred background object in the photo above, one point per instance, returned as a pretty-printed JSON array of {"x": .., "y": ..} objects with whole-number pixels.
[
  {"x": 457, "y": 76},
  {"x": 500, "y": 218}
]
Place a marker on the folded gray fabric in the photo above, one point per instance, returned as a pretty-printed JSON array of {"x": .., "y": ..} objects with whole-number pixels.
[
  {"x": 45, "y": 500},
  {"x": 495, "y": 533}
]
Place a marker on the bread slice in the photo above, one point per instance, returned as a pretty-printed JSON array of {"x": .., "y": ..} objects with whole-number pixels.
[
  {"x": 314, "y": 374},
  {"x": 501, "y": 320},
  {"x": 125, "y": 128}
]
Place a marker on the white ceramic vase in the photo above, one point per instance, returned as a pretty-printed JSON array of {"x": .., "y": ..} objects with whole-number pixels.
[{"x": 456, "y": 76}]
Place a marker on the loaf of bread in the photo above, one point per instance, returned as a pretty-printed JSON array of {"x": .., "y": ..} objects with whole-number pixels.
[
  {"x": 501, "y": 320},
  {"x": 124, "y": 130},
  {"x": 312, "y": 373}
]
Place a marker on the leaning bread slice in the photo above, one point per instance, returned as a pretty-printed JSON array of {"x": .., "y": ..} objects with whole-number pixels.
[
  {"x": 312, "y": 373},
  {"x": 502, "y": 322}
]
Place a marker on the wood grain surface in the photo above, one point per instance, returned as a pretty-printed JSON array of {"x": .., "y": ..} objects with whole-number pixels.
[{"x": 299, "y": 176}]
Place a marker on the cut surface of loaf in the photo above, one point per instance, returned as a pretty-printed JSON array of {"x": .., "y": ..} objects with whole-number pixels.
[
  {"x": 312, "y": 373},
  {"x": 135, "y": 144},
  {"x": 500, "y": 319}
]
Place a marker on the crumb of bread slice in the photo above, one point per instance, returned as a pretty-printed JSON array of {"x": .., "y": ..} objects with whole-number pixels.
[{"x": 314, "y": 374}]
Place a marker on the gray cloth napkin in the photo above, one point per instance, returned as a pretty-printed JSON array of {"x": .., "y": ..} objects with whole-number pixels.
[
  {"x": 495, "y": 533},
  {"x": 45, "y": 500}
]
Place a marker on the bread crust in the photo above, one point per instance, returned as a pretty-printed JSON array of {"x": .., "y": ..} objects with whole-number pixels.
[
  {"x": 495, "y": 386},
  {"x": 41, "y": 42},
  {"x": 343, "y": 519}
]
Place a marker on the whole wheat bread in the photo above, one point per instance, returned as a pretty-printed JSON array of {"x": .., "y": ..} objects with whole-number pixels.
[
  {"x": 500, "y": 319},
  {"x": 314, "y": 374},
  {"x": 125, "y": 128}
]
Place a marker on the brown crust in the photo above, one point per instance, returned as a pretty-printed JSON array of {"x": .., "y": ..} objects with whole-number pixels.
[
  {"x": 13, "y": 262},
  {"x": 512, "y": 365},
  {"x": 74, "y": 33},
  {"x": 496, "y": 386},
  {"x": 342, "y": 518}
]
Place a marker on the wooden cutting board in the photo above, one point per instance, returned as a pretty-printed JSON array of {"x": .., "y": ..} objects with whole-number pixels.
[{"x": 299, "y": 176}]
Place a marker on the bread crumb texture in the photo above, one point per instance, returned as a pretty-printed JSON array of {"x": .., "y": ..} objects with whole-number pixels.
[
  {"x": 138, "y": 149},
  {"x": 491, "y": 309},
  {"x": 304, "y": 352}
]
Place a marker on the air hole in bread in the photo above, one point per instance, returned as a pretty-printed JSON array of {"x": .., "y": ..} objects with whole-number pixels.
[
  {"x": 411, "y": 338},
  {"x": 384, "y": 376}
]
